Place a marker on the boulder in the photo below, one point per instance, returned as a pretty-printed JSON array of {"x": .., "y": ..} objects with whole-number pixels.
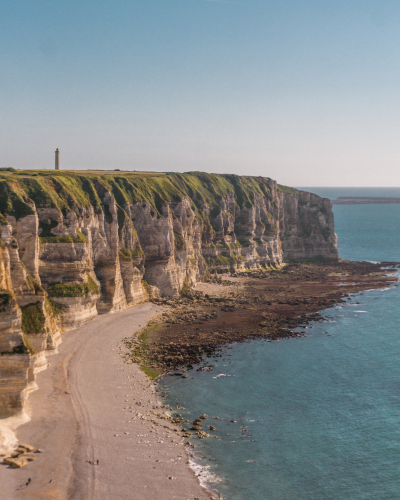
[
  {"x": 27, "y": 447},
  {"x": 8, "y": 460},
  {"x": 16, "y": 463},
  {"x": 19, "y": 462}
]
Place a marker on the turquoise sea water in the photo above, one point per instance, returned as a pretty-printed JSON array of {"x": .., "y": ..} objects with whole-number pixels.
[{"x": 317, "y": 418}]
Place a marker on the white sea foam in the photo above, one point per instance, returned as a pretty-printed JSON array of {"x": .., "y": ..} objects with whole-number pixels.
[
  {"x": 224, "y": 375},
  {"x": 8, "y": 426},
  {"x": 206, "y": 478}
]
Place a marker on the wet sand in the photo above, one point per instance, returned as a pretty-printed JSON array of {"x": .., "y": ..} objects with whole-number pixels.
[{"x": 91, "y": 405}]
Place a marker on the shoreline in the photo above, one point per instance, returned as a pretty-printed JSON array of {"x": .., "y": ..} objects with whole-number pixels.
[
  {"x": 209, "y": 478},
  {"x": 79, "y": 412},
  {"x": 88, "y": 401},
  {"x": 267, "y": 304}
]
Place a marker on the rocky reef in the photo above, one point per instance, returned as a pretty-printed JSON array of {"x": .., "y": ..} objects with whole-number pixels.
[{"x": 77, "y": 244}]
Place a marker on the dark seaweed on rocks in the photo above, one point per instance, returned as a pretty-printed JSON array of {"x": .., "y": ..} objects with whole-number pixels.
[{"x": 258, "y": 304}]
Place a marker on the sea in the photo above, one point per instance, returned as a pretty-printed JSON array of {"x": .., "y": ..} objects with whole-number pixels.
[{"x": 317, "y": 417}]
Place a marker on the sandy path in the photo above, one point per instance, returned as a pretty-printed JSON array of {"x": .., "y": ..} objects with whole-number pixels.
[{"x": 92, "y": 406}]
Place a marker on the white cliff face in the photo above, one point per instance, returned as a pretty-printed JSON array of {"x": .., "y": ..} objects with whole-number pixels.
[
  {"x": 61, "y": 267},
  {"x": 169, "y": 244},
  {"x": 21, "y": 349}
]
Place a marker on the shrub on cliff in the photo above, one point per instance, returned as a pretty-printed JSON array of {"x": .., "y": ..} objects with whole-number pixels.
[
  {"x": 80, "y": 238},
  {"x": 179, "y": 241},
  {"x": 33, "y": 318},
  {"x": 74, "y": 289},
  {"x": 53, "y": 307},
  {"x": 3, "y": 220},
  {"x": 126, "y": 254},
  {"x": 27, "y": 346},
  {"x": 32, "y": 283},
  {"x": 186, "y": 291},
  {"x": 147, "y": 287}
]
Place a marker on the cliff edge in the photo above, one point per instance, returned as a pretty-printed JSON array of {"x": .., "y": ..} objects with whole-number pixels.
[{"x": 76, "y": 244}]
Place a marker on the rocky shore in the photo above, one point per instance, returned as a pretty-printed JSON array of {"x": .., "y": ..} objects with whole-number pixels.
[{"x": 263, "y": 303}]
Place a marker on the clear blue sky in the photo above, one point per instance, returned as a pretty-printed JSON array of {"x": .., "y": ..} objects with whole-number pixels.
[{"x": 306, "y": 92}]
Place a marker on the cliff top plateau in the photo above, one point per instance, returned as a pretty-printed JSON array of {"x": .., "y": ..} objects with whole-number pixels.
[{"x": 60, "y": 189}]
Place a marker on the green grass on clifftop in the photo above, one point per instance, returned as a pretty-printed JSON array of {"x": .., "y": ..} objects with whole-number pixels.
[
  {"x": 286, "y": 189},
  {"x": 87, "y": 188}
]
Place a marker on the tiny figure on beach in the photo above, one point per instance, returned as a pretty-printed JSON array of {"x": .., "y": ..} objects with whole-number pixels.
[
  {"x": 51, "y": 481},
  {"x": 97, "y": 462},
  {"x": 27, "y": 483}
]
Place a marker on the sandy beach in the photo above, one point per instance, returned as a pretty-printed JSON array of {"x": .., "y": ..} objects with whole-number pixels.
[{"x": 92, "y": 406}]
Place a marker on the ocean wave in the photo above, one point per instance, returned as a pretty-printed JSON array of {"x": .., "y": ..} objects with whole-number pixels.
[{"x": 206, "y": 478}]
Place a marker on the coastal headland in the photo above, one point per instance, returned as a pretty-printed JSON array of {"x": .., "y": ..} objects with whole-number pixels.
[
  {"x": 77, "y": 244},
  {"x": 219, "y": 258}
]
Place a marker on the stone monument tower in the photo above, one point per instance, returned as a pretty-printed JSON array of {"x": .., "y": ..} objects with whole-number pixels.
[{"x": 57, "y": 159}]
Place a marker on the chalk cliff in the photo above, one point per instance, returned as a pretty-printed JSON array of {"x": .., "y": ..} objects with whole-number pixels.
[{"x": 77, "y": 244}]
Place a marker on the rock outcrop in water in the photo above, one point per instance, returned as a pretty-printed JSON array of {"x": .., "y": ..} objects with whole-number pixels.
[{"x": 74, "y": 245}]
